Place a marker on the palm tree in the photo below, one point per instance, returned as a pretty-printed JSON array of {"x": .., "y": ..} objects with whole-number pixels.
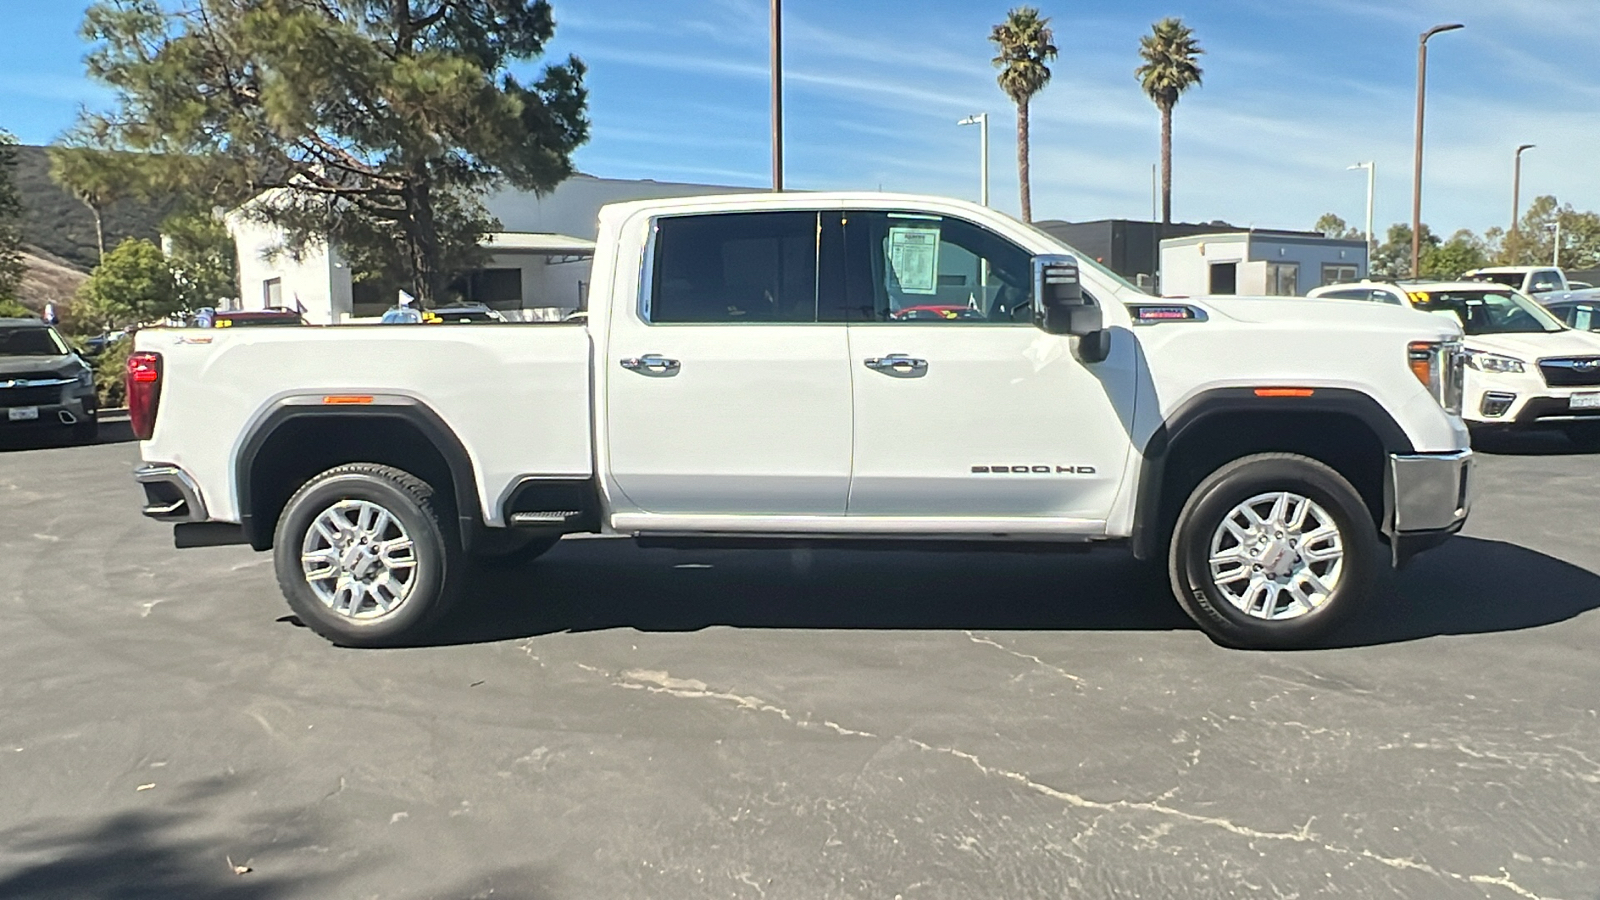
[
  {"x": 1169, "y": 69},
  {"x": 1024, "y": 41}
]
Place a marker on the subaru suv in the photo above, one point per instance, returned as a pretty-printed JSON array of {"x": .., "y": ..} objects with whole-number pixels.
[
  {"x": 1525, "y": 367},
  {"x": 43, "y": 383}
]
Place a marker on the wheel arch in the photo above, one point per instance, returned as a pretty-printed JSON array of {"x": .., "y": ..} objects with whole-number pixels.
[
  {"x": 1346, "y": 429},
  {"x": 395, "y": 431}
]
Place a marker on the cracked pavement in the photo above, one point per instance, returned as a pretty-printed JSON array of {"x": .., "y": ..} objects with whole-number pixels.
[{"x": 618, "y": 722}]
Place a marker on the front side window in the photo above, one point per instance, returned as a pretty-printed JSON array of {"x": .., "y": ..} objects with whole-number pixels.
[
  {"x": 31, "y": 341},
  {"x": 734, "y": 268},
  {"x": 913, "y": 267},
  {"x": 1489, "y": 312}
]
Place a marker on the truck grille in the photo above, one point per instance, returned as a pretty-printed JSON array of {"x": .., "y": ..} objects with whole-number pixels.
[
  {"x": 1580, "y": 371},
  {"x": 48, "y": 395}
]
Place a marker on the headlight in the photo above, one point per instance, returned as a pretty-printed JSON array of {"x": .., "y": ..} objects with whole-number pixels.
[
  {"x": 86, "y": 378},
  {"x": 1439, "y": 366},
  {"x": 1494, "y": 362}
]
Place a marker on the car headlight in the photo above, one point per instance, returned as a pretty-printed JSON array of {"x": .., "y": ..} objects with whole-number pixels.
[
  {"x": 1494, "y": 362},
  {"x": 86, "y": 378},
  {"x": 1438, "y": 365}
]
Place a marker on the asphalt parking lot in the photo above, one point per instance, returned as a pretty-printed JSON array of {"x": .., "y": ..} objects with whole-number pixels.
[{"x": 625, "y": 723}]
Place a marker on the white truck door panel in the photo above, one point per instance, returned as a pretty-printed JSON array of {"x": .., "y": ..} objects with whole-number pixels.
[
  {"x": 724, "y": 395},
  {"x": 962, "y": 407}
]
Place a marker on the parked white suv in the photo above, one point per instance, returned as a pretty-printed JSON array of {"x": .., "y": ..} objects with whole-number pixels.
[{"x": 1525, "y": 367}]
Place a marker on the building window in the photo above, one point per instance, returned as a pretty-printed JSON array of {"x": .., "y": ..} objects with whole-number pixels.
[
  {"x": 272, "y": 292},
  {"x": 1338, "y": 273},
  {"x": 1283, "y": 279},
  {"x": 494, "y": 288}
]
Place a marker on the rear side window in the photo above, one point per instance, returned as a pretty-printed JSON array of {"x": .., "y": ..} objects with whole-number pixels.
[{"x": 734, "y": 268}]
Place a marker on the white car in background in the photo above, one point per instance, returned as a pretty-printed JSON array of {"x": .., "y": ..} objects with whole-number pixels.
[{"x": 1525, "y": 367}]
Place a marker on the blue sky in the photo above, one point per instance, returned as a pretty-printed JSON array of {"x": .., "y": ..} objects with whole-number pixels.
[{"x": 1295, "y": 91}]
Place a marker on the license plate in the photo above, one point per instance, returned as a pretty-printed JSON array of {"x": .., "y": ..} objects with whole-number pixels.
[
  {"x": 1590, "y": 400},
  {"x": 23, "y": 414}
]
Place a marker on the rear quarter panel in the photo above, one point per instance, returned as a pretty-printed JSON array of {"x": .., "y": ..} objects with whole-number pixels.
[{"x": 517, "y": 396}]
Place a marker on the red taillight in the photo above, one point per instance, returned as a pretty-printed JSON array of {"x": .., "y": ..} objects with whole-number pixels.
[{"x": 144, "y": 393}]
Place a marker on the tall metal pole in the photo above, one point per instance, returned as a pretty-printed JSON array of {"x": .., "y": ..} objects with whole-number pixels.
[
  {"x": 1555, "y": 254},
  {"x": 1416, "y": 175},
  {"x": 1516, "y": 198},
  {"x": 1372, "y": 177},
  {"x": 982, "y": 121},
  {"x": 777, "y": 95}
]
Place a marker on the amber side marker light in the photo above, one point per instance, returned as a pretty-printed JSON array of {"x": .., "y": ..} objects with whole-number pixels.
[
  {"x": 1284, "y": 392},
  {"x": 1419, "y": 354},
  {"x": 346, "y": 400}
]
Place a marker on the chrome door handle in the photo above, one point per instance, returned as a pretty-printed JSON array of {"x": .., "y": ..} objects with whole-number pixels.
[
  {"x": 652, "y": 364},
  {"x": 898, "y": 365}
]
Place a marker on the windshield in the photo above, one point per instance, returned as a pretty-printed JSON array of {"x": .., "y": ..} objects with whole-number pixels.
[
  {"x": 1509, "y": 279},
  {"x": 30, "y": 341},
  {"x": 1489, "y": 311}
]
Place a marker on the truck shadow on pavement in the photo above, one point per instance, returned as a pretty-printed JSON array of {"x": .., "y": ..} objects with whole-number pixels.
[{"x": 1467, "y": 586}]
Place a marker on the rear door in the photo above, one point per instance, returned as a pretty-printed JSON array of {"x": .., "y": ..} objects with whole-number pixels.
[
  {"x": 963, "y": 407},
  {"x": 725, "y": 394}
]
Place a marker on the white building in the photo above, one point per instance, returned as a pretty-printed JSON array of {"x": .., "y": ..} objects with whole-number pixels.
[
  {"x": 1273, "y": 263},
  {"x": 539, "y": 267}
]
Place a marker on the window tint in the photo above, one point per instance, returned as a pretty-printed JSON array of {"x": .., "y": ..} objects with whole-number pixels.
[
  {"x": 735, "y": 267},
  {"x": 893, "y": 267},
  {"x": 30, "y": 341},
  {"x": 1489, "y": 312}
]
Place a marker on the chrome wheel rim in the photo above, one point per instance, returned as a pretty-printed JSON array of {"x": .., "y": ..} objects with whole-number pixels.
[
  {"x": 1277, "y": 556},
  {"x": 359, "y": 560}
]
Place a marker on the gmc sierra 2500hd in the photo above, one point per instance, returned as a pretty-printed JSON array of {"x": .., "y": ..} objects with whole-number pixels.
[{"x": 823, "y": 367}]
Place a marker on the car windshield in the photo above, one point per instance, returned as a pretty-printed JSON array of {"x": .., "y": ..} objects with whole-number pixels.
[
  {"x": 30, "y": 341},
  {"x": 1489, "y": 311}
]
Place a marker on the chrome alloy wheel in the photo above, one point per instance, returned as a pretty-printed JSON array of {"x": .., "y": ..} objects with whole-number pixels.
[
  {"x": 359, "y": 560},
  {"x": 1277, "y": 556}
]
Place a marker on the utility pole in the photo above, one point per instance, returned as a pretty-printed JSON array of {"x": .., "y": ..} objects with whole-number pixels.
[
  {"x": 1416, "y": 175},
  {"x": 777, "y": 95}
]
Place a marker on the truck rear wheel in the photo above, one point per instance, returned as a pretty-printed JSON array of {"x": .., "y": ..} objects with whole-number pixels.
[
  {"x": 364, "y": 556},
  {"x": 1273, "y": 551}
]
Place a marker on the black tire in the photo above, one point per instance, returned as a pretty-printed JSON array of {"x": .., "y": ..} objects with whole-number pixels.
[
  {"x": 1585, "y": 436},
  {"x": 1225, "y": 490},
  {"x": 438, "y": 565},
  {"x": 505, "y": 547}
]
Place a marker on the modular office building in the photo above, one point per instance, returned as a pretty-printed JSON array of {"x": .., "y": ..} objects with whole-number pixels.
[{"x": 1272, "y": 263}]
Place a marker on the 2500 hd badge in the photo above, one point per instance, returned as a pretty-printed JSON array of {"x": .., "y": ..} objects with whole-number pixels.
[{"x": 1033, "y": 470}]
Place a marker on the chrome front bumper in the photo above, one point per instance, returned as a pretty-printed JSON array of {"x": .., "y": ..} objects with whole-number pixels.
[{"x": 1428, "y": 496}]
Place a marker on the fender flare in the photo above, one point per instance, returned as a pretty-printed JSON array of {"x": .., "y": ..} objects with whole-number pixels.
[
  {"x": 407, "y": 409},
  {"x": 1148, "y": 518}
]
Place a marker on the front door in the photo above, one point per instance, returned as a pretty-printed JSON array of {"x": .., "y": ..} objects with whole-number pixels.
[
  {"x": 725, "y": 394},
  {"x": 963, "y": 408}
]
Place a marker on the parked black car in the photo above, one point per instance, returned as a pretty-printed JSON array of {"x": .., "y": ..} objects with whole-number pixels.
[{"x": 43, "y": 384}]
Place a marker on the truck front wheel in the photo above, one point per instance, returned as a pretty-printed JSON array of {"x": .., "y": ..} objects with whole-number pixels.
[
  {"x": 1273, "y": 551},
  {"x": 364, "y": 556}
]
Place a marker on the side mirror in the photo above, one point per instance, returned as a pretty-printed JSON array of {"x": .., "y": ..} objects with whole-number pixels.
[{"x": 1061, "y": 307}]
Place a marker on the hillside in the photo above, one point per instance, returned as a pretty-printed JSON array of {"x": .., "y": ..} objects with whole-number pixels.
[
  {"x": 49, "y": 279},
  {"x": 62, "y": 227}
]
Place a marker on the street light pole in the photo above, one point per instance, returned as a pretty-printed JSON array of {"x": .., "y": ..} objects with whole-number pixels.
[
  {"x": 1372, "y": 177},
  {"x": 982, "y": 121},
  {"x": 1555, "y": 253},
  {"x": 777, "y": 95},
  {"x": 1416, "y": 175},
  {"x": 1516, "y": 195}
]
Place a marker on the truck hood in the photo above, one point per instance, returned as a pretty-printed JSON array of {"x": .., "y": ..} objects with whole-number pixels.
[
  {"x": 1322, "y": 314},
  {"x": 1530, "y": 347},
  {"x": 26, "y": 366}
]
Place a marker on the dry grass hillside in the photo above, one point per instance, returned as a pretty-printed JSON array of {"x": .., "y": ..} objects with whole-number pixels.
[{"x": 49, "y": 279}]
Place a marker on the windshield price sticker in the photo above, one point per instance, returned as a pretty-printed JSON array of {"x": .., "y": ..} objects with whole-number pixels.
[{"x": 914, "y": 258}]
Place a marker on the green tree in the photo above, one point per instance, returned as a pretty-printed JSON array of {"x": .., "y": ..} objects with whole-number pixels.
[
  {"x": 1025, "y": 46},
  {"x": 134, "y": 285},
  {"x": 1392, "y": 259},
  {"x": 379, "y": 123},
  {"x": 1536, "y": 235},
  {"x": 202, "y": 256},
  {"x": 1449, "y": 260},
  {"x": 98, "y": 178},
  {"x": 11, "y": 309},
  {"x": 1170, "y": 69},
  {"x": 12, "y": 267},
  {"x": 1333, "y": 226}
]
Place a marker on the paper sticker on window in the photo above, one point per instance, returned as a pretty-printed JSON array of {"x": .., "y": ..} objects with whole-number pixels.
[{"x": 914, "y": 258}]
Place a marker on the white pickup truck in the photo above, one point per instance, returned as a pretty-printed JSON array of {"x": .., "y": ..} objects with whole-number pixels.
[{"x": 866, "y": 369}]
